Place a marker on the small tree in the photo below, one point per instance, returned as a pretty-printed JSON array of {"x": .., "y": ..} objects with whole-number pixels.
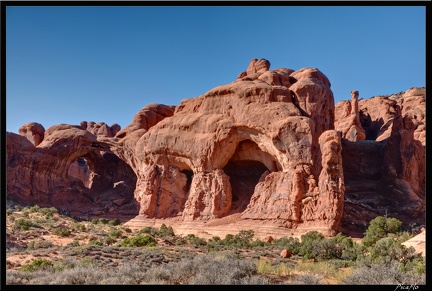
[{"x": 380, "y": 227}]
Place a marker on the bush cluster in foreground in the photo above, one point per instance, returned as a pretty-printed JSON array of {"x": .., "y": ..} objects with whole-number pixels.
[{"x": 380, "y": 258}]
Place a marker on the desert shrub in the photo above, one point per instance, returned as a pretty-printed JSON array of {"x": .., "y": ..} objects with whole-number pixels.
[
  {"x": 64, "y": 263},
  {"x": 307, "y": 279},
  {"x": 61, "y": 231},
  {"x": 148, "y": 230},
  {"x": 130, "y": 273},
  {"x": 100, "y": 221},
  {"x": 383, "y": 274},
  {"x": 86, "y": 262},
  {"x": 74, "y": 243},
  {"x": 108, "y": 240},
  {"x": 38, "y": 264},
  {"x": 319, "y": 268},
  {"x": 48, "y": 211},
  {"x": 387, "y": 250},
  {"x": 115, "y": 233},
  {"x": 242, "y": 239},
  {"x": 210, "y": 269},
  {"x": 341, "y": 263},
  {"x": 266, "y": 267},
  {"x": 23, "y": 224},
  {"x": 380, "y": 227},
  {"x": 39, "y": 244},
  {"x": 14, "y": 277},
  {"x": 344, "y": 248},
  {"x": 78, "y": 227},
  {"x": 139, "y": 241},
  {"x": 165, "y": 231},
  {"x": 114, "y": 222},
  {"x": 310, "y": 246},
  {"x": 127, "y": 229},
  {"x": 89, "y": 275},
  {"x": 94, "y": 242},
  {"x": 257, "y": 243},
  {"x": 195, "y": 240},
  {"x": 403, "y": 236},
  {"x": 417, "y": 265},
  {"x": 33, "y": 209},
  {"x": 215, "y": 243},
  {"x": 291, "y": 243}
]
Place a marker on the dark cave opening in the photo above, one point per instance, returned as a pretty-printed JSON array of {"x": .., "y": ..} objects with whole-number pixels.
[
  {"x": 244, "y": 176},
  {"x": 189, "y": 175}
]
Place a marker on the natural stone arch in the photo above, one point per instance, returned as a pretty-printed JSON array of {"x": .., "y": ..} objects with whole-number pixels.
[
  {"x": 105, "y": 181},
  {"x": 81, "y": 170},
  {"x": 247, "y": 166}
]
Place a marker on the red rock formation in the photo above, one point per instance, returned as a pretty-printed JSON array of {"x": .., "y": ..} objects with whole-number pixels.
[
  {"x": 100, "y": 128},
  {"x": 230, "y": 149},
  {"x": 385, "y": 174},
  {"x": 266, "y": 147},
  {"x": 47, "y": 175},
  {"x": 348, "y": 119},
  {"x": 33, "y": 131}
]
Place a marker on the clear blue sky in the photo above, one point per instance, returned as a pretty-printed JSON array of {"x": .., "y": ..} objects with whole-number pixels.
[{"x": 103, "y": 64}]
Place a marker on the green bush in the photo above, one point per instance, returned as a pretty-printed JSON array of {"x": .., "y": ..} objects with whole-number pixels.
[
  {"x": 380, "y": 227},
  {"x": 74, "y": 243},
  {"x": 23, "y": 224},
  {"x": 61, "y": 231},
  {"x": 148, "y": 230},
  {"x": 345, "y": 247},
  {"x": 115, "y": 233},
  {"x": 38, "y": 264},
  {"x": 94, "y": 242},
  {"x": 383, "y": 274},
  {"x": 388, "y": 250},
  {"x": 78, "y": 227},
  {"x": 139, "y": 241},
  {"x": 49, "y": 212},
  {"x": 291, "y": 243},
  {"x": 100, "y": 220},
  {"x": 41, "y": 244},
  {"x": 310, "y": 245},
  {"x": 194, "y": 240},
  {"x": 114, "y": 222},
  {"x": 165, "y": 231},
  {"x": 242, "y": 239}
]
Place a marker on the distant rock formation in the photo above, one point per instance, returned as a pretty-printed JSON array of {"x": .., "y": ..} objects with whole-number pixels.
[
  {"x": 267, "y": 146},
  {"x": 348, "y": 119},
  {"x": 385, "y": 174},
  {"x": 33, "y": 131}
]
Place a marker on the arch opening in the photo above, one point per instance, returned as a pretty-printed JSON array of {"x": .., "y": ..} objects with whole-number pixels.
[
  {"x": 246, "y": 168},
  {"x": 81, "y": 170},
  {"x": 108, "y": 183}
]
